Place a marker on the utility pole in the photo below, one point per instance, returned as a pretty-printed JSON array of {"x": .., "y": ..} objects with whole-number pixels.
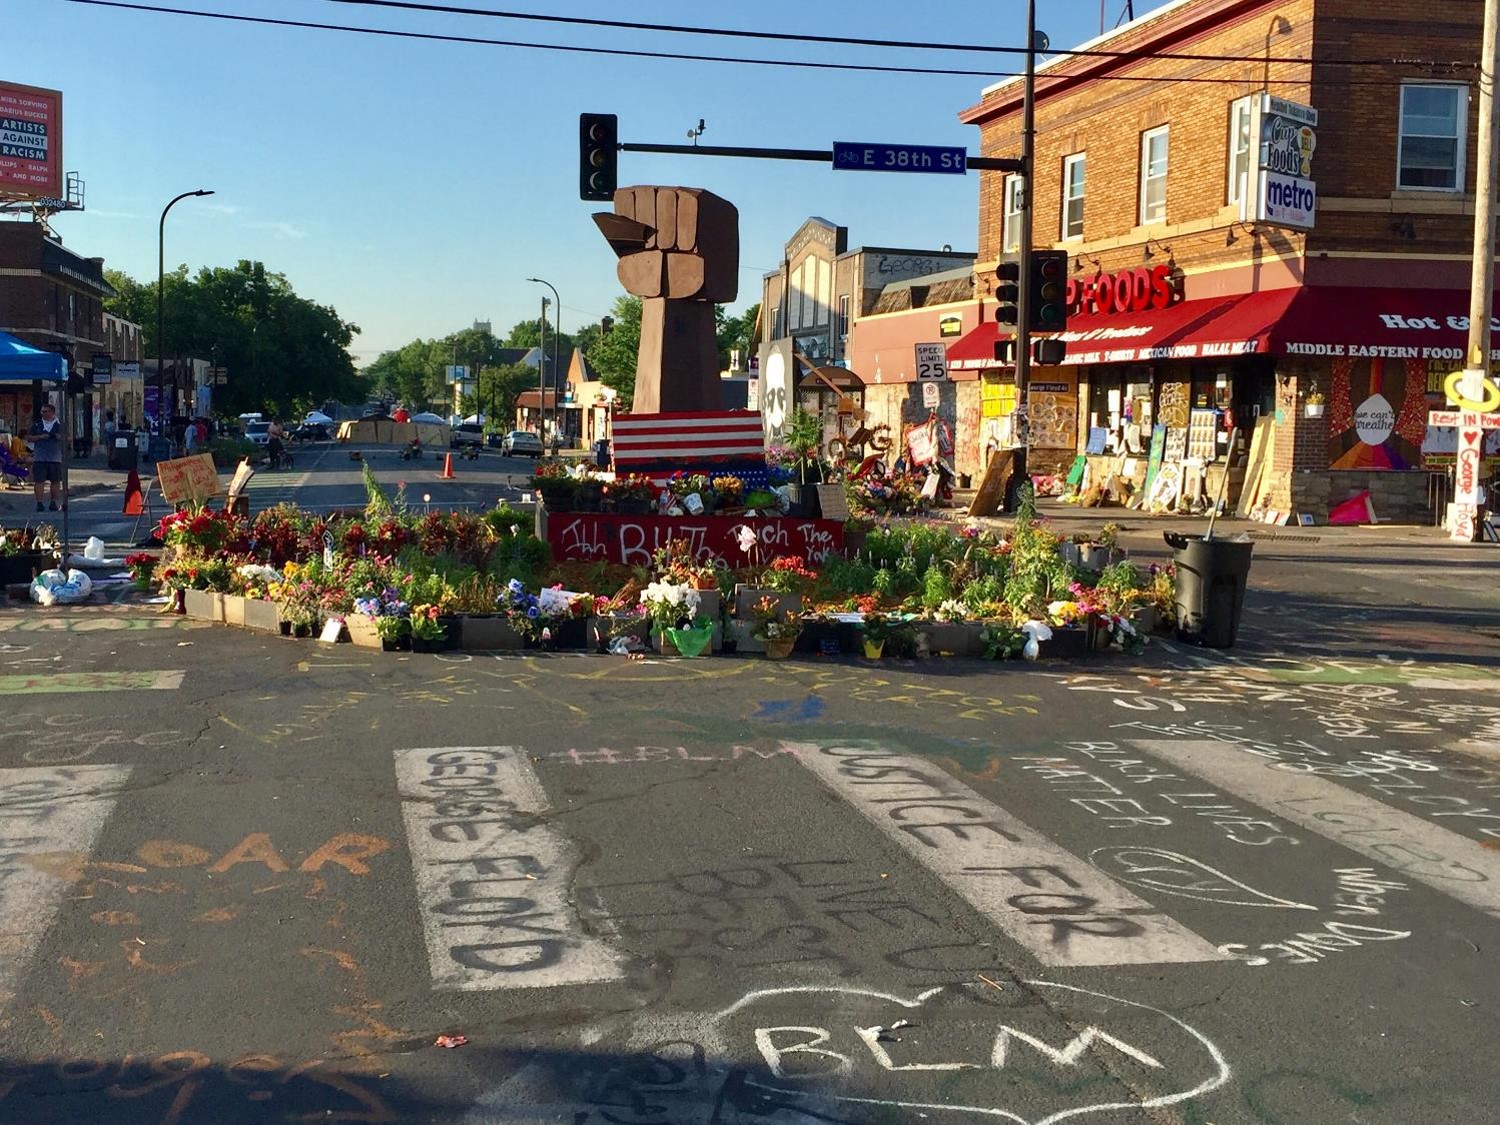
[
  {"x": 1021, "y": 473},
  {"x": 541, "y": 379}
]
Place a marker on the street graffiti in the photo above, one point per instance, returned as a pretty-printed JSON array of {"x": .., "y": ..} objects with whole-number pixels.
[
  {"x": 346, "y": 850},
  {"x": 492, "y": 880},
  {"x": 1312, "y": 946},
  {"x": 101, "y": 624},
  {"x": 649, "y": 755},
  {"x": 303, "y": 1090},
  {"x": 1166, "y": 872},
  {"x": 53, "y": 683},
  {"x": 57, "y": 739},
  {"x": 1061, "y": 909},
  {"x": 43, "y": 811},
  {"x": 1362, "y": 891}
]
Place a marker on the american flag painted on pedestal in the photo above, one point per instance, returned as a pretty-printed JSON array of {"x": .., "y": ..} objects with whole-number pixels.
[{"x": 661, "y": 444}]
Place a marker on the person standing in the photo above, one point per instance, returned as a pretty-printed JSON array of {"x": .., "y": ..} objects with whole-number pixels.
[
  {"x": 190, "y": 438},
  {"x": 45, "y": 437}
]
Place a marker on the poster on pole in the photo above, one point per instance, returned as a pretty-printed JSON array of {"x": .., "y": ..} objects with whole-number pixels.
[
  {"x": 30, "y": 142},
  {"x": 192, "y": 479}
]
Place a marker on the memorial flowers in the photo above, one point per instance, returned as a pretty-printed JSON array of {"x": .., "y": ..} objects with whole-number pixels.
[{"x": 669, "y": 604}]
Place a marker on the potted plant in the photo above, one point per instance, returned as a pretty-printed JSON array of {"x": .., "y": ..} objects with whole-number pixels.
[
  {"x": 631, "y": 495},
  {"x": 729, "y": 493},
  {"x": 428, "y": 631},
  {"x": 889, "y": 634},
  {"x": 141, "y": 566},
  {"x": 1314, "y": 405},
  {"x": 556, "y": 487},
  {"x": 670, "y": 605},
  {"x": 1100, "y": 550},
  {"x": 876, "y": 630},
  {"x": 775, "y": 628},
  {"x": 23, "y": 553},
  {"x": 394, "y": 633}
]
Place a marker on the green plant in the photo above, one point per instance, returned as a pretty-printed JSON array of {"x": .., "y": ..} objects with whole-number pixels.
[
  {"x": 425, "y": 625},
  {"x": 1002, "y": 642},
  {"x": 936, "y": 587},
  {"x": 771, "y": 623},
  {"x": 505, "y": 520},
  {"x": 377, "y": 504},
  {"x": 1108, "y": 537},
  {"x": 389, "y": 628},
  {"x": 884, "y": 583},
  {"x": 841, "y": 576},
  {"x": 1025, "y": 505},
  {"x": 1120, "y": 586},
  {"x": 986, "y": 590}
]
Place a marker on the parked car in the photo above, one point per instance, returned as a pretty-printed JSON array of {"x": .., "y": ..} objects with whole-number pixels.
[
  {"x": 466, "y": 433},
  {"x": 258, "y": 432},
  {"x": 521, "y": 443},
  {"x": 310, "y": 431}
]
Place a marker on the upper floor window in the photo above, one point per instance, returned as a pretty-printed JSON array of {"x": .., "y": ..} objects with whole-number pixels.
[
  {"x": 1011, "y": 233},
  {"x": 1239, "y": 150},
  {"x": 1431, "y": 153},
  {"x": 843, "y": 314},
  {"x": 1072, "y": 198},
  {"x": 1154, "y": 175}
]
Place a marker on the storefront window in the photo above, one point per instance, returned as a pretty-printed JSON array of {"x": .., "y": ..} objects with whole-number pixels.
[
  {"x": 1154, "y": 175},
  {"x": 1432, "y": 137}
]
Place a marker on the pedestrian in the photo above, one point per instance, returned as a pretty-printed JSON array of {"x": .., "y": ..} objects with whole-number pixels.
[
  {"x": 110, "y": 427},
  {"x": 202, "y": 431},
  {"x": 45, "y": 437},
  {"x": 190, "y": 438}
]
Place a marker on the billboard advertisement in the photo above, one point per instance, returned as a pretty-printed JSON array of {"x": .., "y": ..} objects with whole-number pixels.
[{"x": 30, "y": 142}]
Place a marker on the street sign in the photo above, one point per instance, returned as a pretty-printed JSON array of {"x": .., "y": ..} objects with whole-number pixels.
[
  {"x": 930, "y": 395},
  {"x": 932, "y": 361},
  {"x": 849, "y": 156},
  {"x": 102, "y": 368},
  {"x": 130, "y": 369},
  {"x": 457, "y": 374}
]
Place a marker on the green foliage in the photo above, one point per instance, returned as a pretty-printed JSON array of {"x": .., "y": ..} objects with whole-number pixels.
[
  {"x": 937, "y": 588},
  {"x": 229, "y": 452},
  {"x": 1002, "y": 642},
  {"x": 847, "y": 577},
  {"x": 1025, "y": 506},
  {"x": 1037, "y": 571},
  {"x": 614, "y": 356},
  {"x": 377, "y": 504},
  {"x": 984, "y": 590},
  {"x": 884, "y": 582},
  {"x": 1120, "y": 586},
  {"x": 285, "y": 353},
  {"x": 505, "y": 520},
  {"x": 524, "y": 557}
]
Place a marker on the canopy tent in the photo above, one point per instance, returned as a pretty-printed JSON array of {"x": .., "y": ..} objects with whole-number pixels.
[{"x": 21, "y": 363}]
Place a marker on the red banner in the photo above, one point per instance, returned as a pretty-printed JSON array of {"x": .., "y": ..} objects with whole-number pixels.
[{"x": 632, "y": 539}]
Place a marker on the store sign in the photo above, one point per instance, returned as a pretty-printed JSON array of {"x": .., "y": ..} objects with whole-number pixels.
[
  {"x": 1281, "y": 189},
  {"x": 951, "y": 326},
  {"x": 1134, "y": 290}
]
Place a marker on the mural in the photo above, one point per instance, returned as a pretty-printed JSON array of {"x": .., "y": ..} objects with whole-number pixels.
[{"x": 1377, "y": 413}]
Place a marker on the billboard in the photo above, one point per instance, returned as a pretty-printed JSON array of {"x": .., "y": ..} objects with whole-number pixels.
[{"x": 30, "y": 142}]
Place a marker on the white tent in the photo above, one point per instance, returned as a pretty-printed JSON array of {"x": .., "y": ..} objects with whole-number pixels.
[
  {"x": 433, "y": 419},
  {"x": 317, "y": 418}
]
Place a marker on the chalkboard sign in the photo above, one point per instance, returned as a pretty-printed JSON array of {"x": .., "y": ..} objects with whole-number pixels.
[{"x": 832, "y": 502}]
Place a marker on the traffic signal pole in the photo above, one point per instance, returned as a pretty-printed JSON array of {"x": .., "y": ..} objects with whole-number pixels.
[{"x": 1023, "y": 297}]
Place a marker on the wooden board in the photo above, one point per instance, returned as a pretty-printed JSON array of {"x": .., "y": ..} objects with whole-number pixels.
[
  {"x": 991, "y": 489},
  {"x": 1260, "y": 442}
]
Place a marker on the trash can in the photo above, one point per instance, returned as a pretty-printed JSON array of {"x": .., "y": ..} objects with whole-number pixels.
[
  {"x": 600, "y": 456},
  {"x": 124, "y": 455},
  {"x": 1211, "y": 575}
]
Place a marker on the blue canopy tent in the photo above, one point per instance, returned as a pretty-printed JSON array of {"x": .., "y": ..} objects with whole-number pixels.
[{"x": 21, "y": 363}]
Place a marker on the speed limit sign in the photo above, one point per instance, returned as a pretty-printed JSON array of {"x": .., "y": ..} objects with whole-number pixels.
[{"x": 932, "y": 361}]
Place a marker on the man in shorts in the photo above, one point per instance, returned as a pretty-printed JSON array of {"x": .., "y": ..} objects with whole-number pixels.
[{"x": 45, "y": 437}]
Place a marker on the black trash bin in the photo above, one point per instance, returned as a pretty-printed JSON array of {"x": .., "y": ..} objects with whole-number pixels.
[
  {"x": 1211, "y": 576},
  {"x": 123, "y": 452}
]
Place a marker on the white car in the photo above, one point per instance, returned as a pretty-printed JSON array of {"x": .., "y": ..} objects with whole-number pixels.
[
  {"x": 521, "y": 443},
  {"x": 258, "y": 432}
]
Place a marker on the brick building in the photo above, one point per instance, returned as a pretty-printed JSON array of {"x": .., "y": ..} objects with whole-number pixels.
[
  {"x": 1236, "y": 258},
  {"x": 51, "y": 298}
]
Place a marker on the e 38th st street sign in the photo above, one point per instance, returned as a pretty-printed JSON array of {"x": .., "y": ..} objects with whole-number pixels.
[{"x": 849, "y": 156}]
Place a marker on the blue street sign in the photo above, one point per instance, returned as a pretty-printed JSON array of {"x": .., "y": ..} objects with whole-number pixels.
[{"x": 851, "y": 157}]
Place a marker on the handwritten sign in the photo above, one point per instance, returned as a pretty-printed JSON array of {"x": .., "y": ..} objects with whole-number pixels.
[
  {"x": 832, "y": 502},
  {"x": 631, "y": 540},
  {"x": 193, "y": 479}
]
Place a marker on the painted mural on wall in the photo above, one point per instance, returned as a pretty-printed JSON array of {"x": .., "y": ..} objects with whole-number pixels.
[{"x": 1377, "y": 414}]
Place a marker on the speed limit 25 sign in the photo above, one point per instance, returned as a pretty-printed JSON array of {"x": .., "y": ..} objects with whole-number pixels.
[{"x": 932, "y": 361}]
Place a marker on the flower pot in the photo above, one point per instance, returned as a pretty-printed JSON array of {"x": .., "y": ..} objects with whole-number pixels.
[
  {"x": 362, "y": 631},
  {"x": 874, "y": 650},
  {"x": 398, "y": 644},
  {"x": 692, "y": 642},
  {"x": 428, "y": 644},
  {"x": 1095, "y": 556},
  {"x": 452, "y": 630},
  {"x": 204, "y": 605},
  {"x": 779, "y": 648},
  {"x": 486, "y": 633},
  {"x": 284, "y": 628},
  {"x": 303, "y": 631},
  {"x": 23, "y": 567},
  {"x": 1314, "y": 409},
  {"x": 661, "y": 641},
  {"x": 234, "y": 609},
  {"x": 1067, "y": 643},
  {"x": 179, "y": 601},
  {"x": 261, "y": 614}
]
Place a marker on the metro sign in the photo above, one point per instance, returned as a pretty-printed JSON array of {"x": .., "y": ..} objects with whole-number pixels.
[{"x": 1127, "y": 291}]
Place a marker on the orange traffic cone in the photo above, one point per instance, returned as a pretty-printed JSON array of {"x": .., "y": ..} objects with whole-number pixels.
[
  {"x": 133, "y": 504},
  {"x": 448, "y": 467}
]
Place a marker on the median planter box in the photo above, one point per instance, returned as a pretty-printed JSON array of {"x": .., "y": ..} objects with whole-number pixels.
[
  {"x": 1067, "y": 644},
  {"x": 234, "y": 610},
  {"x": 205, "y": 605},
  {"x": 362, "y": 631},
  {"x": 603, "y": 630},
  {"x": 261, "y": 614},
  {"x": 955, "y": 638},
  {"x": 488, "y": 633}
]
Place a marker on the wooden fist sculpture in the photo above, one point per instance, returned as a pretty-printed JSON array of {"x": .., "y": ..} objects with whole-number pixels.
[{"x": 679, "y": 251}]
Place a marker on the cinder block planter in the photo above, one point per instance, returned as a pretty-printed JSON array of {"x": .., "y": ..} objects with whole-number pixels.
[
  {"x": 746, "y": 596},
  {"x": 745, "y": 640},
  {"x": 205, "y": 605},
  {"x": 234, "y": 610},
  {"x": 955, "y": 638},
  {"x": 262, "y": 614}
]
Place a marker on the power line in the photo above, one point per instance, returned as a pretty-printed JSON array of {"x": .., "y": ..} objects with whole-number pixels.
[
  {"x": 834, "y": 40},
  {"x": 474, "y": 40}
]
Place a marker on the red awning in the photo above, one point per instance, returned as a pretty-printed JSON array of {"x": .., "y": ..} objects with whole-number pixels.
[{"x": 1308, "y": 321}]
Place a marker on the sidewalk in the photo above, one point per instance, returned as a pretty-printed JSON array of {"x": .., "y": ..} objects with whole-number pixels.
[{"x": 85, "y": 478}]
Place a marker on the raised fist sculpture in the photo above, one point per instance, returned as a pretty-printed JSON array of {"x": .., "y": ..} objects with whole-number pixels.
[{"x": 679, "y": 251}]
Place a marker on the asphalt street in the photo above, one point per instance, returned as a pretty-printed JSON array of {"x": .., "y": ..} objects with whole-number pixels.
[{"x": 253, "y": 879}]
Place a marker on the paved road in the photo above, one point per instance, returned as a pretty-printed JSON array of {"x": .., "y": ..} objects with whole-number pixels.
[{"x": 247, "y": 879}]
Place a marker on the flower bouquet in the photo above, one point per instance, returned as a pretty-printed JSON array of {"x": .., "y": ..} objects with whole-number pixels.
[
  {"x": 673, "y": 609},
  {"x": 777, "y": 629},
  {"x": 141, "y": 566}
]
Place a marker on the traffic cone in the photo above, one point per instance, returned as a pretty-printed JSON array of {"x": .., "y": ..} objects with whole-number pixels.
[
  {"x": 448, "y": 467},
  {"x": 133, "y": 501}
]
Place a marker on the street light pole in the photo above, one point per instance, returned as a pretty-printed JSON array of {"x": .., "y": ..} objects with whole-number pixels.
[
  {"x": 161, "y": 276},
  {"x": 556, "y": 343},
  {"x": 1021, "y": 473}
]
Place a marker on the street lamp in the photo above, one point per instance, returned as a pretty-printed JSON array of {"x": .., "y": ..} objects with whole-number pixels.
[
  {"x": 161, "y": 274},
  {"x": 556, "y": 357}
]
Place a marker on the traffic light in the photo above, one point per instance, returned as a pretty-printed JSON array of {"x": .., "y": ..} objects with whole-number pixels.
[
  {"x": 1005, "y": 351},
  {"x": 1047, "y": 290},
  {"x": 598, "y": 156},
  {"x": 605, "y": 324},
  {"x": 1007, "y": 290},
  {"x": 1048, "y": 353}
]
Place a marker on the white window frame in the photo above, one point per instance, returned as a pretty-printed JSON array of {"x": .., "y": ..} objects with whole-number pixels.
[
  {"x": 1010, "y": 230},
  {"x": 1461, "y": 116},
  {"x": 1078, "y": 160},
  {"x": 1239, "y": 165},
  {"x": 843, "y": 322},
  {"x": 1164, "y": 132}
]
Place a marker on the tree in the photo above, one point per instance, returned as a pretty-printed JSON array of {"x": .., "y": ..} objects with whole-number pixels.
[
  {"x": 614, "y": 356},
  {"x": 498, "y": 388},
  {"x": 284, "y": 353}
]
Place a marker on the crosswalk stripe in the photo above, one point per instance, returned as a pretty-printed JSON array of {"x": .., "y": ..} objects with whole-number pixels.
[
  {"x": 1054, "y": 904},
  {"x": 64, "y": 683},
  {"x": 492, "y": 884},
  {"x": 1415, "y": 847},
  {"x": 47, "y": 814}
]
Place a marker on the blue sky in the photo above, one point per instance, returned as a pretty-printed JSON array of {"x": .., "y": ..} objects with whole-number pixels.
[{"x": 415, "y": 185}]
